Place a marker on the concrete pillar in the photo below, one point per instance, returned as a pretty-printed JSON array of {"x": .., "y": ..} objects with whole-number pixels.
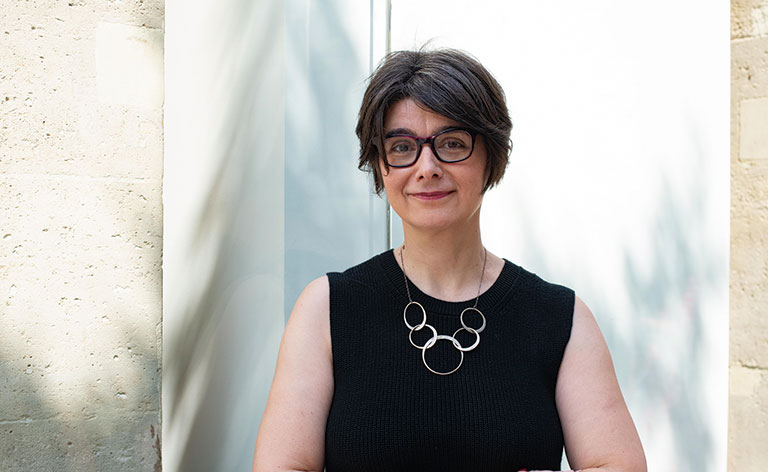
[
  {"x": 81, "y": 147},
  {"x": 748, "y": 403}
]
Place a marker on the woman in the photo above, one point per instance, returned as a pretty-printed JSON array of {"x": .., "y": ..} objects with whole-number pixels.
[{"x": 439, "y": 355}]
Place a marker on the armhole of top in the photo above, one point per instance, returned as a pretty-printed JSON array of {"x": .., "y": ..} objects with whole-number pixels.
[
  {"x": 333, "y": 278},
  {"x": 566, "y": 321},
  {"x": 572, "y": 304}
]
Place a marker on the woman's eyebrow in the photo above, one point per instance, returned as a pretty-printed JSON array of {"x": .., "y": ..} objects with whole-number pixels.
[
  {"x": 395, "y": 131},
  {"x": 410, "y": 132}
]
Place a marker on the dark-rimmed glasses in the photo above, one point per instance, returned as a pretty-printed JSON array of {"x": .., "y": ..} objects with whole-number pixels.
[{"x": 450, "y": 145}]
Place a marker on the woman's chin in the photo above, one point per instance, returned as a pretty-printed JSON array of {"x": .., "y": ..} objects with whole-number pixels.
[{"x": 432, "y": 222}]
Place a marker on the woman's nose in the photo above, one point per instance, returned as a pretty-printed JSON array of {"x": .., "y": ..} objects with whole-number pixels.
[{"x": 428, "y": 165}]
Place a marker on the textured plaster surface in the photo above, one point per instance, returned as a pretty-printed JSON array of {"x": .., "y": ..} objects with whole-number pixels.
[
  {"x": 748, "y": 402},
  {"x": 80, "y": 234}
]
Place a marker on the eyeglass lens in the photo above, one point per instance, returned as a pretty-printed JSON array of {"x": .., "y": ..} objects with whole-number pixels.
[{"x": 450, "y": 146}]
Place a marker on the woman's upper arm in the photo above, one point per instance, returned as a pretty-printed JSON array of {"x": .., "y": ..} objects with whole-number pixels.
[
  {"x": 292, "y": 431},
  {"x": 598, "y": 430}
]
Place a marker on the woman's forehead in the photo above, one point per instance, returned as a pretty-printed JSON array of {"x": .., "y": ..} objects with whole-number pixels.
[{"x": 411, "y": 116}]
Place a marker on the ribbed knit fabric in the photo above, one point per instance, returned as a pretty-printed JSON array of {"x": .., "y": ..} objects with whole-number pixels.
[{"x": 497, "y": 412}]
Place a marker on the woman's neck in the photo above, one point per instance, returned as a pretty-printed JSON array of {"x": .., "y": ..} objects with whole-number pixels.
[{"x": 447, "y": 265}]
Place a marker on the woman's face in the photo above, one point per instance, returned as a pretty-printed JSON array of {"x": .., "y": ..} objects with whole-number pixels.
[{"x": 431, "y": 194}]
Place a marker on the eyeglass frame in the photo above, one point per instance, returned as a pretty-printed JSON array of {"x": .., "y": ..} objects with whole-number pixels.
[{"x": 421, "y": 141}]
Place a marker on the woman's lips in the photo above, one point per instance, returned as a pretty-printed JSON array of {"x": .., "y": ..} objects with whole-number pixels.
[{"x": 430, "y": 195}]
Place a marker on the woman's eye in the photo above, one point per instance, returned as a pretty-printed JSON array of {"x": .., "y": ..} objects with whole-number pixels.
[
  {"x": 401, "y": 147},
  {"x": 453, "y": 144}
]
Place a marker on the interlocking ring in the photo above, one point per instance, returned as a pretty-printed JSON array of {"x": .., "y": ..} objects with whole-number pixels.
[
  {"x": 469, "y": 330},
  {"x": 432, "y": 341},
  {"x": 461, "y": 318},
  {"x": 423, "y": 321},
  {"x": 437, "y": 337}
]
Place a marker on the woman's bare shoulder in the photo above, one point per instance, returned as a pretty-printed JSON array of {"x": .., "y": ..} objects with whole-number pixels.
[
  {"x": 291, "y": 435},
  {"x": 310, "y": 319},
  {"x": 314, "y": 300}
]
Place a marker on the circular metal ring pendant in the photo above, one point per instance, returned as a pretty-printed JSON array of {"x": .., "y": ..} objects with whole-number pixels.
[
  {"x": 433, "y": 339},
  {"x": 469, "y": 330},
  {"x": 461, "y": 318},
  {"x": 423, "y": 321},
  {"x": 432, "y": 342}
]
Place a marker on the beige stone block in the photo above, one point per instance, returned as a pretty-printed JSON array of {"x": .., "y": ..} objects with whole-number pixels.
[
  {"x": 129, "y": 65},
  {"x": 753, "y": 121},
  {"x": 748, "y": 254},
  {"x": 745, "y": 381},
  {"x": 747, "y": 348},
  {"x": 748, "y": 424},
  {"x": 85, "y": 139},
  {"x": 80, "y": 297},
  {"x": 749, "y": 69},
  {"x": 51, "y": 119},
  {"x": 749, "y": 325},
  {"x": 87, "y": 336},
  {"x": 83, "y": 216},
  {"x": 749, "y": 18},
  {"x": 759, "y": 15},
  {"x": 43, "y": 13},
  {"x": 76, "y": 443},
  {"x": 749, "y": 262}
]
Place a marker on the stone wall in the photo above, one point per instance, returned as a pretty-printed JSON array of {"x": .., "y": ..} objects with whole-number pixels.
[
  {"x": 748, "y": 403},
  {"x": 81, "y": 147}
]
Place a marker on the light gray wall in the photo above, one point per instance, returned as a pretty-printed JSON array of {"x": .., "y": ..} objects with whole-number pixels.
[
  {"x": 332, "y": 218},
  {"x": 261, "y": 196},
  {"x": 223, "y": 197}
]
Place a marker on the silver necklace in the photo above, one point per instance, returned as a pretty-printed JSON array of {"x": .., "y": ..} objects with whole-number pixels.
[{"x": 437, "y": 337}]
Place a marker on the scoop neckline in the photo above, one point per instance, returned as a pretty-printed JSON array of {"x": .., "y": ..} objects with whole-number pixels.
[{"x": 491, "y": 297}]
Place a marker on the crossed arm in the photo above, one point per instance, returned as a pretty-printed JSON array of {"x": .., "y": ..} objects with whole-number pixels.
[{"x": 599, "y": 433}]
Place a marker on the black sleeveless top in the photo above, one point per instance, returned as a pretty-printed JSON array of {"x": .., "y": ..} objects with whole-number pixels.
[{"x": 497, "y": 412}]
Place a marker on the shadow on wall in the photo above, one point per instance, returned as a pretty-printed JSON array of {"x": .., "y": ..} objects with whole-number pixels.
[
  {"x": 662, "y": 360},
  {"x": 23, "y": 431},
  {"x": 79, "y": 353},
  {"x": 218, "y": 364},
  {"x": 225, "y": 283},
  {"x": 85, "y": 394},
  {"x": 326, "y": 196},
  {"x": 668, "y": 345},
  {"x": 688, "y": 272}
]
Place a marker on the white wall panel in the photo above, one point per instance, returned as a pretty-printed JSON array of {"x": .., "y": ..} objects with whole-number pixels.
[{"x": 618, "y": 186}]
